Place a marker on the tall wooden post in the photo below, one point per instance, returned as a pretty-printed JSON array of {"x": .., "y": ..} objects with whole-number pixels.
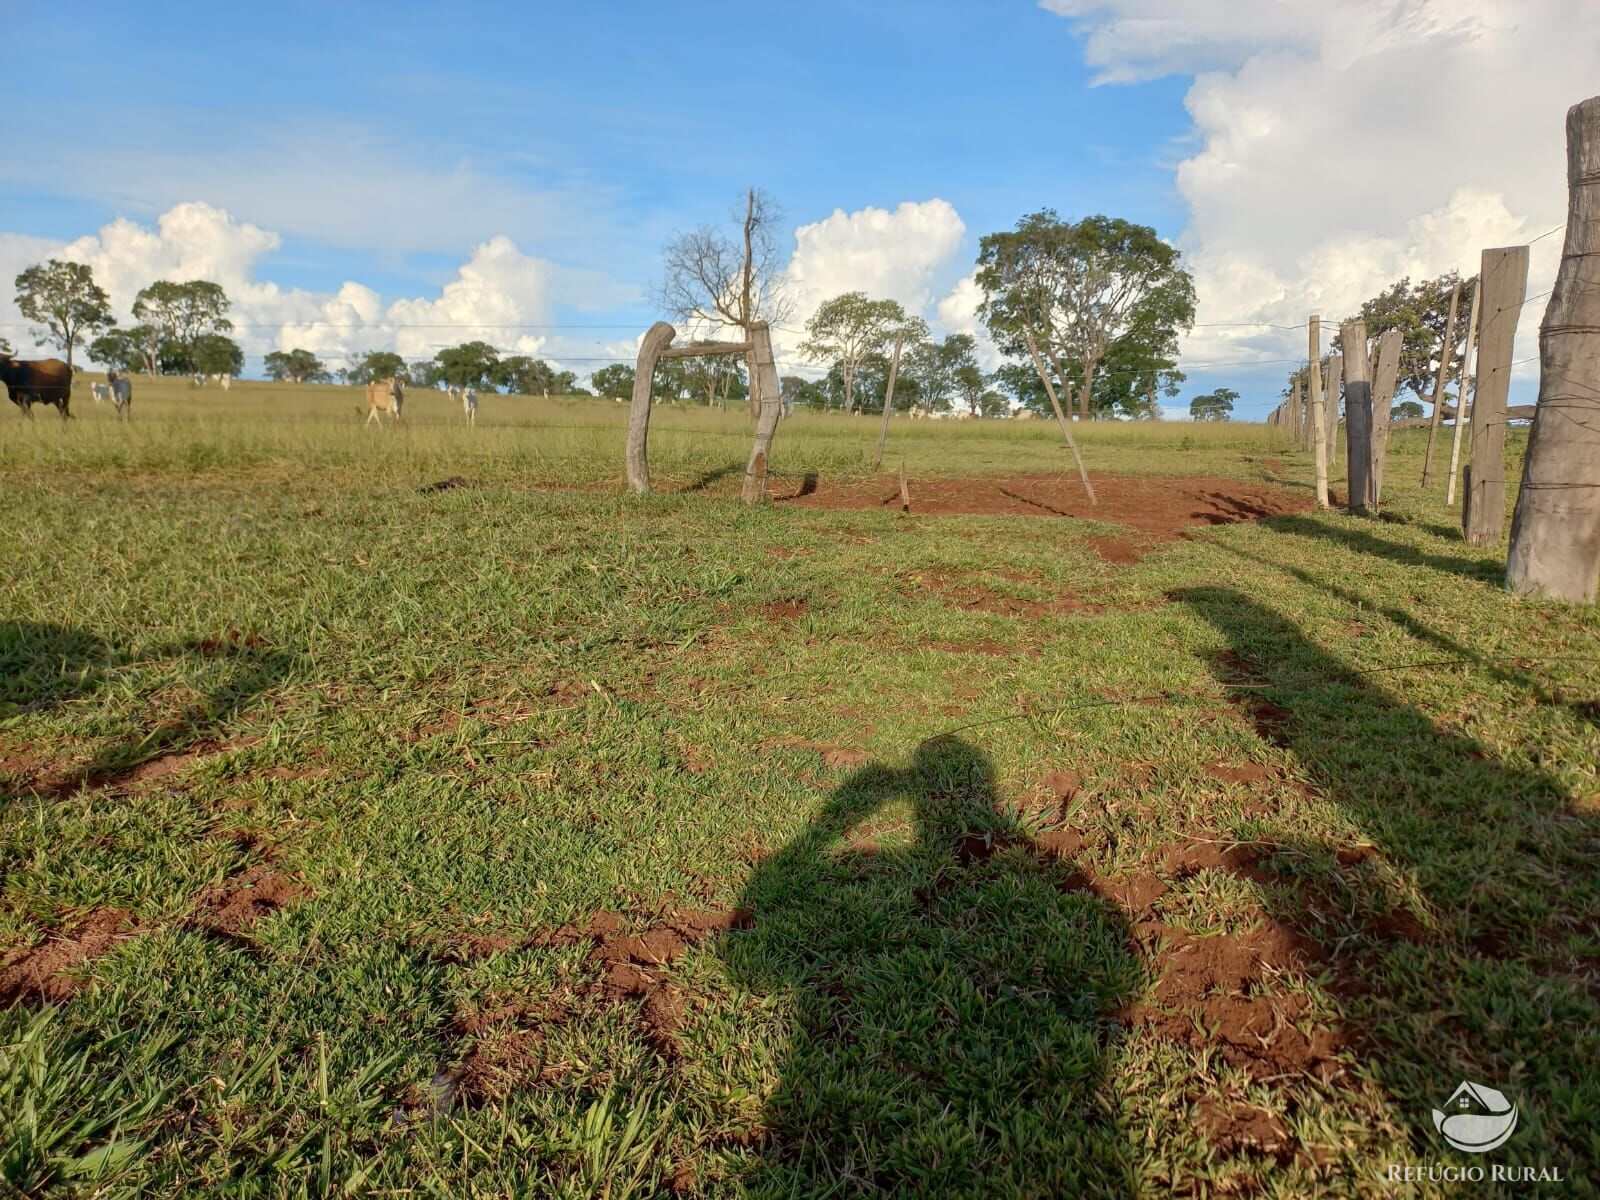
[
  {"x": 1330, "y": 404},
  {"x": 888, "y": 402},
  {"x": 1314, "y": 377},
  {"x": 1055, "y": 403},
  {"x": 1463, "y": 408},
  {"x": 656, "y": 339},
  {"x": 1555, "y": 535},
  {"x": 1438, "y": 380},
  {"x": 1357, "y": 414},
  {"x": 766, "y": 375},
  {"x": 1296, "y": 406},
  {"x": 1504, "y": 282},
  {"x": 1385, "y": 371}
]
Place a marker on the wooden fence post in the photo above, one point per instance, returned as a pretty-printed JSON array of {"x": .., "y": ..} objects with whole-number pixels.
[
  {"x": 1462, "y": 407},
  {"x": 1330, "y": 404},
  {"x": 1438, "y": 380},
  {"x": 1385, "y": 371},
  {"x": 656, "y": 339},
  {"x": 1318, "y": 417},
  {"x": 888, "y": 402},
  {"x": 1295, "y": 405},
  {"x": 755, "y": 473},
  {"x": 1555, "y": 535},
  {"x": 1357, "y": 414},
  {"x": 1055, "y": 403},
  {"x": 1504, "y": 281}
]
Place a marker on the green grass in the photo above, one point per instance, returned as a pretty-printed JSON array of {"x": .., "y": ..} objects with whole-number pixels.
[{"x": 497, "y": 710}]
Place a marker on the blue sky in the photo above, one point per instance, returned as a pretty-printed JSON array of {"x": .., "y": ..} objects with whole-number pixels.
[{"x": 384, "y": 144}]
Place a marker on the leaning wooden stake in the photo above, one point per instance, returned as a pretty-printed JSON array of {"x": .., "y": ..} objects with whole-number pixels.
[
  {"x": 1066, "y": 429},
  {"x": 1357, "y": 414},
  {"x": 888, "y": 402},
  {"x": 1555, "y": 535},
  {"x": 766, "y": 378},
  {"x": 1463, "y": 408},
  {"x": 1318, "y": 417},
  {"x": 1438, "y": 380},
  {"x": 1385, "y": 372},
  {"x": 656, "y": 339},
  {"x": 1504, "y": 283},
  {"x": 905, "y": 491}
]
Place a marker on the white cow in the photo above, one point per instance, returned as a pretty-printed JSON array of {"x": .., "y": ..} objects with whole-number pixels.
[
  {"x": 101, "y": 392},
  {"x": 469, "y": 405},
  {"x": 225, "y": 380},
  {"x": 384, "y": 396}
]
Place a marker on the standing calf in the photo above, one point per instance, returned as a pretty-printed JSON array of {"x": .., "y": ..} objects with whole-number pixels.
[
  {"x": 384, "y": 396},
  {"x": 469, "y": 404}
]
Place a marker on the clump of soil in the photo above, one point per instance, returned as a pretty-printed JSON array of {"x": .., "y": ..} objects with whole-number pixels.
[
  {"x": 1231, "y": 1125},
  {"x": 1242, "y": 774},
  {"x": 1119, "y": 551},
  {"x": 230, "y": 642},
  {"x": 42, "y": 972},
  {"x": 445, "y": 485},
  {"x": 785, "y": 610},
  {"x": 229, "y": 909}
]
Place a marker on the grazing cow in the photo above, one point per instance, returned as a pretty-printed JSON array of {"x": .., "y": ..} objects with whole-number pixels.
[
  {"x": 384, "y": 396},
  {"x": 121, "y": 392},
  {"x": 42, "y": 381},
  {"x": 469, "y": 404},
  {"x": 101, "y": 391},
  {"x": 226, "y": 381},
  {"x": 1024, "y": 414}
]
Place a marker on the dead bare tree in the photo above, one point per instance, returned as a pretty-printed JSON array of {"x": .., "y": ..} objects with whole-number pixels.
[{"x": 715, "y": 279}]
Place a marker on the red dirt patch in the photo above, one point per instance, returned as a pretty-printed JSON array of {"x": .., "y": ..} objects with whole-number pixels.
[
  {"x": 1231, "y": 1125},
  {"x": 1119, "y": 551},
  {"x": 1163, "y": 506},
  {"x": 41, "y": 973},
  {"x": 228, "y": 909},
  {"x": 1243, "y": 774},
  {"x": 965, "y": 592},
  {"x": 785, "y": 610}
]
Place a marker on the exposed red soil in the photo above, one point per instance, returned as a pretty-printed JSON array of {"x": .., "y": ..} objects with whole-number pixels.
[
  {"x": 155, "y": 769},
  {"x": 228, "y": 909},
  {"x": 1231, "y": 1125},
  {"x": 1243, "y": 774},
  {"x": 1162, "y": 506},
  {"x": 832, "y": 756},
  {"x": 966, "y": 592},
  {"x": 785, "y": 610},
  {"x": 1119, "y": 551},
  {"x": 42, "y": 972}
]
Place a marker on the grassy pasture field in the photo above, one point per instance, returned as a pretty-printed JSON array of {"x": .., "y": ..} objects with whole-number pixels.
[{"x": 530, "y": 838}]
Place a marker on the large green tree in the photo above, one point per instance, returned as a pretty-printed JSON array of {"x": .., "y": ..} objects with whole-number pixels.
[
  {"x": 180, "y": 314},
  {"x": 472, "y": 363},
  {"x": 717, "y": 377},
  {"x": 1213, "y": 406},
  {"x": 937, "y": 375},
  {"x": 615, "y": 379},
  {"x": 296, "y": 366},
  {"x": 375, "y": 365},
  {"x": 64, "y": 298},
  {"x": 847, "y": 330},
  {"x": 1080, "y": 292},
  {"x": 217, "y": 354},
  {"x": 1420, "y": 311},
  {"x": 123, "y": 349}
]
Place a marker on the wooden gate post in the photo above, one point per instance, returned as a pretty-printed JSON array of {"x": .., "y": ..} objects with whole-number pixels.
[
  {"x": 656, "y": 339},
  {"x": 1555, "y": 535},
  {"x": 888, "y": 402},
  {"x": 1357, "y": 414},
  {"x": 1385, "y": 371},
  {"x": 1318, "y": 417},
  {"x": 1438, "y": 380},
  {"x": 1462, "y": 407},
  {"x": 766, "y": 375},
  {"x": 1504, "y": 281}
]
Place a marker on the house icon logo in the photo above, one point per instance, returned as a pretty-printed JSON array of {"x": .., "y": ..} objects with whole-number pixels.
[{"x": 1476, "y": 1119}]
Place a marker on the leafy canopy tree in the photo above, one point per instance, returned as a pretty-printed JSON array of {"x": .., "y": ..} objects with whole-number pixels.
[
  {"x": 940, "y": 373},
  {"x": 1406, "y": 410},
  {"x": 849, "y": 329},
  {"x": 1079, "y": 291},
  {"x": 296, "y": 366},
  {"x": 1420, "y": 311},
  {"x": 798, "y": 391},
  {"x": 1213, "y": 406},
  {"x": 525, "y": 376},
  {"x": 613, "y": 380},
  {"x": 64, "y": 298},
  {"x": 180, "y": 314},
  {"x": 120, "y": 348},
  {"x": 471, "y": 363},
  {"x": 717, "y": 377},
  {"x": 376, "y": 365},
  {"x": 217, "y": 354}
]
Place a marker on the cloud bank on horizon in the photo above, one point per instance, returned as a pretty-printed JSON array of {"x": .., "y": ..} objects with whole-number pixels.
[{"x": 1334, "y": 148}]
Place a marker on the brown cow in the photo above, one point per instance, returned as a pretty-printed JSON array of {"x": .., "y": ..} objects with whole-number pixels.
[
  {"x": 45, "y": 381},
  {"x": 384, "y": 396}
]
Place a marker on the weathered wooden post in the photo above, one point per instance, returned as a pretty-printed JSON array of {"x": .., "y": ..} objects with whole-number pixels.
[
  {"x": 1318, "y": 417},
  {"x": 1462, "y": 407},
  {"x": 1438, "y": 380},
  {"x": 1296, "y": 405},
  {"x": 1357, "y": 414},
  {"x": 1385, "y": 371},
  {"x": 656, "y": 339},
  {"x": 888, "y": 402},
  {"x": 1330, "y": 404},
  {"x": 1066, "y": 429},
  {"x": 1503, "y": 280},
  {"x": 766, "y": 373},
  {"x": 1555, "y": 535}
]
